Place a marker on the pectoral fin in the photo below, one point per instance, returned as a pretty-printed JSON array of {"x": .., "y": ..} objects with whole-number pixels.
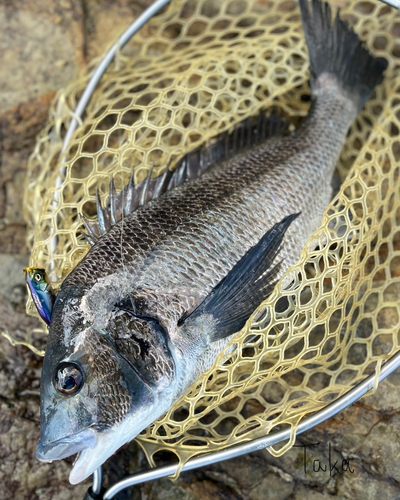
[{"x": 250, "y": 282}]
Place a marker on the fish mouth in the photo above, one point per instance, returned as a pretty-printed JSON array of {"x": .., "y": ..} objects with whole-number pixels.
[
  {"x": 91, "y": 459},
  {"x": 67, "y": 446}
]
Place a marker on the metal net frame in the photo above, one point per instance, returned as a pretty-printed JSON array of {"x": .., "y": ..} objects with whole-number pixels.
[{"x": 192, "y": 73}]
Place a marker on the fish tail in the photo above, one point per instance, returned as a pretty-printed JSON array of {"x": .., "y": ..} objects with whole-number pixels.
[{"x": 336, "y": 50}]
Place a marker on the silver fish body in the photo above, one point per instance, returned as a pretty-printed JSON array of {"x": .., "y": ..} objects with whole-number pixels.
[{"x": 128, "y": 334}]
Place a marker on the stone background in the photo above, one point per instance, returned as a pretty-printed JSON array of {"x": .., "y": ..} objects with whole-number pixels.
[{"x": 42, "y": 45}]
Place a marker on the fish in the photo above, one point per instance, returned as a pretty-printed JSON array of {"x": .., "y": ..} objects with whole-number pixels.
[
  {"x": 178, "y": 263},
  {"x": 41, "y": 291}
]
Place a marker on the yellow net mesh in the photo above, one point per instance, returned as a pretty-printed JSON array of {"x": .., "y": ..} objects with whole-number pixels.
[{"x": 192, "y": 73}]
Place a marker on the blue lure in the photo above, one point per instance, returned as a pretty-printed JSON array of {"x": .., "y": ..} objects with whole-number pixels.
[{"x": 41, "y": 291}]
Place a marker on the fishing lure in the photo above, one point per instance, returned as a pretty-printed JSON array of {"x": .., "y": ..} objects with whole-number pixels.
[{"x": 42, "y": 294}]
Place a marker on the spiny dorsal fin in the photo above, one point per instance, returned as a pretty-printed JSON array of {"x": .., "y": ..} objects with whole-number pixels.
[
  {"x": 249, "y": 282},
  {"x": 247, "y": 135}
]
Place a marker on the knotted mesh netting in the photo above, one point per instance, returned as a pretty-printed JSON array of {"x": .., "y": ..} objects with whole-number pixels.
[{"x": 193, "y": 72}]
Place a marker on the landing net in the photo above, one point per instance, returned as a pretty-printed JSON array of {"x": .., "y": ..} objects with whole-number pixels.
[{"x": 193, "y": 72}]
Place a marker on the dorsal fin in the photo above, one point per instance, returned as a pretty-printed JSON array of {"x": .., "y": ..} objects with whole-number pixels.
[{"x": 246, "y": 135}]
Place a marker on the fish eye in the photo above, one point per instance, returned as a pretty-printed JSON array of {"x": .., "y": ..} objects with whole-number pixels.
[
  {"x": 38, "y": 277},
  {"x": 68, "y": 379}
]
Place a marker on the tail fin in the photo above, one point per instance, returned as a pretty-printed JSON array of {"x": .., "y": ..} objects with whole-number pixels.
[{"x": 337, "y": 50}]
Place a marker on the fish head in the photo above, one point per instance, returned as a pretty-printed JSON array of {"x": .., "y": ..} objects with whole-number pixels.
[{"x": 94, "y": 398}]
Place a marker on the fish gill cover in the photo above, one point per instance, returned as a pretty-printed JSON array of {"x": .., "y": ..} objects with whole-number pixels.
[{"x": 193, "y": 72}]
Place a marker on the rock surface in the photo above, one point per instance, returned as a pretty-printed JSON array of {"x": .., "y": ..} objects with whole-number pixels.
[{"x": 44, "y": 44}]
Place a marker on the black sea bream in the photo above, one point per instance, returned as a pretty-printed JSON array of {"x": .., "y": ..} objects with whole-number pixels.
[{"x": 179, "y": 263}]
